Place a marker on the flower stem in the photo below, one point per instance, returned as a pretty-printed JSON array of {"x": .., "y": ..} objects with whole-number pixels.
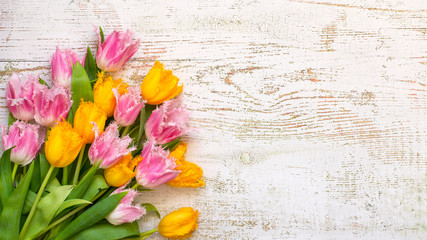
[
  {"x": 125, "y": 131},
  {"x": 65, "y": 175},
  {"x": 146, "y": 234},
  {"x": 79, "y": 164},
  {"x": 135, "y": 186},
  {"x": 69, "y": 214},
  {"x": 36, "y": 201},
  {"x": 15, "y": 167}
]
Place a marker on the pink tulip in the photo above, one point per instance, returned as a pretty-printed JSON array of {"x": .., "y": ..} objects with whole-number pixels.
[
  {"x": 51, "y": 105},
  {"x": 156, "y": 168},
  {"x": 116, "y": 50},
  {"x": 28, "y": 138},
  {"x": 19, "y": 97},
  {"x": 128, "y": 106},
  {"x": 125, "y": 212},
  {"x": 108, "y": 148},
  {"x": 62, "y": 62},
  {"x": 167, "y": 122}
]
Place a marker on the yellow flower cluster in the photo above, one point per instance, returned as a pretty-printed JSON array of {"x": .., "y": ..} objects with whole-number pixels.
[{"x": 190, "y": 175}]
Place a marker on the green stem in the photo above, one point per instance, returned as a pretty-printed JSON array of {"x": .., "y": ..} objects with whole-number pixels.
[
  {"x": 132, "y": 130},
  {"x": 36, "y": 201},
  {"x": 125, "y": 131},
  {"x": 15, "y": 167},
  {"x": 146, "y": 234},
  {"x": 79, "y": 164},
  {"x": 65, "y": 175},
  {"x": 69, "y": 214},
  {"x": 135, "y": 186}
]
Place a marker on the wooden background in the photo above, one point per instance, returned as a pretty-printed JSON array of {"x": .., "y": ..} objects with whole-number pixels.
[{"x": 311, "y": 113}]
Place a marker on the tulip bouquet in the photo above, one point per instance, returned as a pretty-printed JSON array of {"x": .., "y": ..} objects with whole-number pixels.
[{"x": 79, "y": 152}]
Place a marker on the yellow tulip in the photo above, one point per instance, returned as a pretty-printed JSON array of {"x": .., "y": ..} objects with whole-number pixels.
[
  {"x": 159, "y": 85},
  {"x": 190, "y": 175},
  {"x": 121, "y": 172},
  {"x": 103, "y": 92},
  {"x": 179, "y": 224},
  {"x": 63, "y": 145},
  {"x": 86, "y": 114}
]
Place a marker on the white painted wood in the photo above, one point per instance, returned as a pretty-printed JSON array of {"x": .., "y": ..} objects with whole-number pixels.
[{"x": 312, "y": 113}]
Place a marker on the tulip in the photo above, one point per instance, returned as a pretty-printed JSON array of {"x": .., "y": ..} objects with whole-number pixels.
[
  {"x": 179, "y": 224},
  {"x": 155, "y": 168},
  {"x": 63, "y": 145},
  {"x": 190, "y": 175},
  {"x": 128, "y": 106},
  {"x": 167, "y": 122},
  {"x": 19, "y": 97},
  {"x": 27, "y": 140},
  {"x": 121, "y": 172},
  {"x": 159, "y": 85},
  {"x": 108, "y": 148},
  {"x": 103, "y": 93},
  {"x": 116, "y": 50},
  {"x": 88, "y": 113},
  {"x": 62, "y": 63},
  {"x": 51, "y": 105},
  {"x": 126, "y": 211}
]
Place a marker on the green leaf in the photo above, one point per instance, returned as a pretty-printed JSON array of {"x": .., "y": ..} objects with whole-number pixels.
[
  {"x": 80, "y": 86},
  {"x": 36, "y": 180},
  {"x": 97, "y": 184},
  {"x": 172, "y": 144},
  {"x": 11, "y": 119},
  {"x": 54, "y": 184},
  {"x": 91, "y": 216},
  {"x": 90, "y": 65},
  {"x": 46, "y": 210},
  {"x": 44, "y": 166},
  {"x": 151, "y": 208},
  {"x": 83, "y": 185},
  {"x": 43, "y": 82},
  {"x": 11, "y": 216},
  {"x": 106, "y": 231},
  {"x": 102, "y": 35},
  {"x": 29, "y": 200},
  {"x": 5, "y": 177},
  {"x": 142, "y": 120},
  {"x": 71, "y": 203}
]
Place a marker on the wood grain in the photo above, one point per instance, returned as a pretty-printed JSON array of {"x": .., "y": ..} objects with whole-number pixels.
[{"x": 311, "y": 114}]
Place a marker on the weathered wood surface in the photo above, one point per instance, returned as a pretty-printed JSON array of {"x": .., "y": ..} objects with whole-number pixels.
[{"x": 311, "y": 113}]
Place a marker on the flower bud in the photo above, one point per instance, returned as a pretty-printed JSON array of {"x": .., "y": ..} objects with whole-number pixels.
[
  {"x": 103, "y": 93},
  {"x": 179, "y": 224},
  {"x": 128, "y": 106},
  {"x": 20, "y": 97},
  {"x": 63, "y": 145},
  {"x": 116, "y": 50},
  {"x": 155, "y": 168},
  {"x": 88, "y": 113},
  {"x": 108, "y": 148},
  {"x": 27, "y": 140},
  {"x": 122, "y": 171},
  {"x": 167, "y": 122},
  {"x": 126, "y": 211},
  {"x": 51, "y": 105},
  {"x": 159, "y": 85},
  {"x": 62, "y": 62}
]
